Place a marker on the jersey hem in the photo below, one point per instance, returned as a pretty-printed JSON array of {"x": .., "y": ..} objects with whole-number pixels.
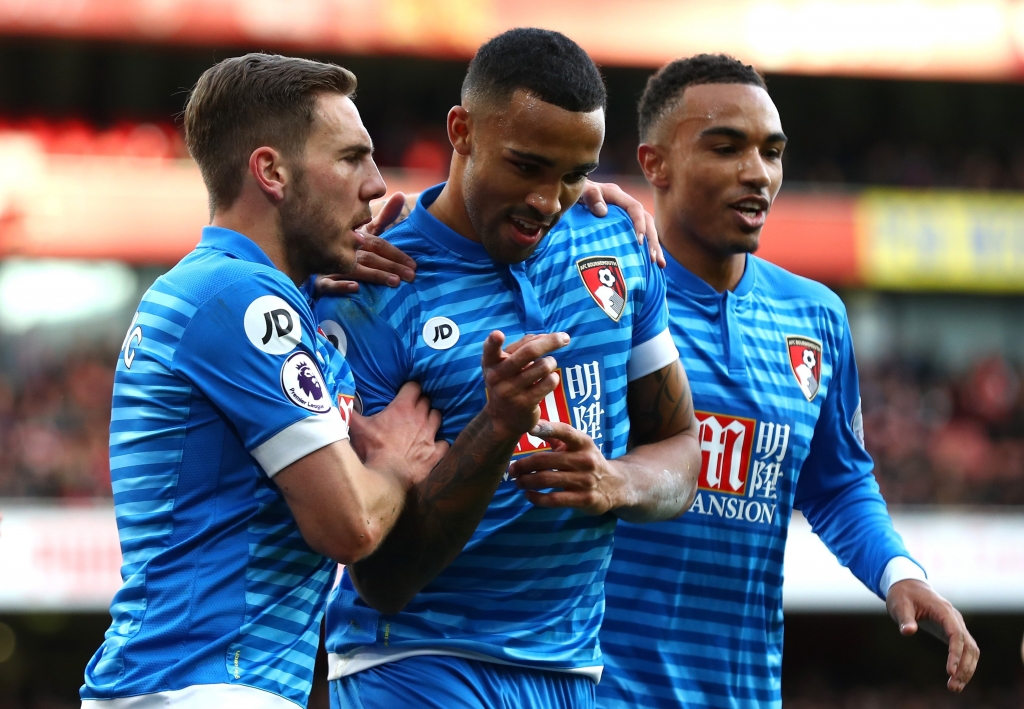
[
  {"x": 657, "y": 353},
  {"x": 339, "y": 666},
  {"x": 299, "y": 440},
  {"x": 198, "y": 696}
]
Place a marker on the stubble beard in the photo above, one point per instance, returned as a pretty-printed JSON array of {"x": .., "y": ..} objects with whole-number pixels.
[{"x": 311, "y": 234}]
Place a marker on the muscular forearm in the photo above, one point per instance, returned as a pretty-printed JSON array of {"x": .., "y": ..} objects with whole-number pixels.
[
  {"x": 440, "y": 516},
  {"x": 659, "y": 479}
]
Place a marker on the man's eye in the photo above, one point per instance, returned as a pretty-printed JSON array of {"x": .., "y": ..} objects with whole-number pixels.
[
  {"x": 575, "y": 178},
  {"x": 526, "y": 168},
  {"x": 725, "y": 149},
  {"x": 773, "y": 154}
]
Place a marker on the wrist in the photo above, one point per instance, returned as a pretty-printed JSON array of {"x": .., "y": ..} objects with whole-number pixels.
[{"x": 498, "y": 428}]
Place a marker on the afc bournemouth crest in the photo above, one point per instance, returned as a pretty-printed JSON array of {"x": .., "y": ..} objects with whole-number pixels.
[
  {"x": 805, "y": 361},
  {"x": 603, "y": 279}
]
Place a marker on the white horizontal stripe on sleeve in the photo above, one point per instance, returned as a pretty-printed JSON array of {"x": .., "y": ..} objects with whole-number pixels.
[
  {"x": 659, "y": 351},
  {"x": 900, "y": 568},
  {"x": 299, "y": 440}
]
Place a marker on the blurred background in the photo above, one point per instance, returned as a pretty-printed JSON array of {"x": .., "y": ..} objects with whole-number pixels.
[{"x": 904, "y": 192}]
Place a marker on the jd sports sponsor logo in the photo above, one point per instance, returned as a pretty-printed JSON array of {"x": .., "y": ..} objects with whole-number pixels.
[
  {"x": 440, "y": 333},
  {"x": 272, "y": 325}
]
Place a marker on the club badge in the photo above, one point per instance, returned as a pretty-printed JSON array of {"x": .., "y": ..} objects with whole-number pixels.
[
  {"x": 805, "y": 361},
  {"x": 603, "y": 279}
]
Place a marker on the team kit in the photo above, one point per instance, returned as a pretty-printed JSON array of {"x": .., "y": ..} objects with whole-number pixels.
[{"x": 556, "y": 455}]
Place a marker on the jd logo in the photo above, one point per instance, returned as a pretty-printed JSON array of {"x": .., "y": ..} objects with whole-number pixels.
[
  {"x": 272, "y": 325},
  {"x": 440, "y": 333},
  {"x": 280, "y": 318}
]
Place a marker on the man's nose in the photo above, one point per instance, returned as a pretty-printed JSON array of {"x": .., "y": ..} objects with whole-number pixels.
[
  {"x": 546, "y": 201},
  {"x": 753, "y": 172}
]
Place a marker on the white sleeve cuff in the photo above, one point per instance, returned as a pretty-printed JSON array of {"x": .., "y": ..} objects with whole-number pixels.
[
  {"x": 299, "y": 440},
  {"x": 900, "y": 568},
  {"x": 660, "y": 351}
]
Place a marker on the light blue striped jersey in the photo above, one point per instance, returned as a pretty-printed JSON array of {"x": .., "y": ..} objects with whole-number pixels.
[
  {"x": 528, "y": 588},
  {"x": 222, "y": 381},
  {"x": 694, "y": 612}
]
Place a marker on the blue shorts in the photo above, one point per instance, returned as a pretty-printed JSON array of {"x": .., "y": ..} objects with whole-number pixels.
[{"x": 443, "y": 682}]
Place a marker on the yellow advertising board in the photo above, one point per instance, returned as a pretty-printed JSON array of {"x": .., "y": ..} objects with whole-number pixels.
[{"x": 939, "y": 240}]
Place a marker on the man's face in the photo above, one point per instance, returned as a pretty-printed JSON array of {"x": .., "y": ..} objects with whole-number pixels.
[
  {"x": 722, "y": 147},
  {"x": 527, "y": 166},
  {"x": 329, "y": 197}
]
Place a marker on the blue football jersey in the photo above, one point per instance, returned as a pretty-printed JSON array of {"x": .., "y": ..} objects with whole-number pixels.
[
  {"x": 694, "y": 613},
  {"x": 528, "y": 588},
  {"x": 222, "y": 381}
]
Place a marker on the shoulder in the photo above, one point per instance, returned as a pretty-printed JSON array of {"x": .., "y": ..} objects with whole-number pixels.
[
  {"x": 779, "y": 284},
  {"x": 204, "y": 279},
  {"x": 581, "y": 221}
]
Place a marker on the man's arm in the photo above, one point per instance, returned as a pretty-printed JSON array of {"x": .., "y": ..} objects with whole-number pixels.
[
  {"x": 343, "y": 507},
  {"x": 655, "y": 481},
  {"x": 838, "y": 494},
  {"x": 442, "y": 512}
]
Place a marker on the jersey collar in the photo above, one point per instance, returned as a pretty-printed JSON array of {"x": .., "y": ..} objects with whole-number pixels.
[
  {"x": 435, "y": 229},
  {"x": 240, "y": 245},
  {"x": 680, "y": 277}
]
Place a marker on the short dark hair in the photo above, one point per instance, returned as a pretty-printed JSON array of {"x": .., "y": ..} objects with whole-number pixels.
[
  {"x": 245, "y": 102},
  {"x": 547, "y": 64},
  {"x": 667, "y": 85}
]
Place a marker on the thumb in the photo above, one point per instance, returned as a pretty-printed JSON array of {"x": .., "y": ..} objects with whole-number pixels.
[{"x": 903, "y": 612}]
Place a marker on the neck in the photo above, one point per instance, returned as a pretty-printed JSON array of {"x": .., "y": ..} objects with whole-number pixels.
[
  {"x": 450, "y": 206},
  {"x": 262, "y": 227},
  {"x": 720, "y": 271}
]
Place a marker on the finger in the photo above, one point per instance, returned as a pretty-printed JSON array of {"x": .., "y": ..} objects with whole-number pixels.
[
  {"x": 547, "y": 460},
  {"x": 653, "y": 241},
  {"x": 903, "y": 612},
  {"x": 573, "y": 438},
  {"x": 953, "y": 629},
  {"x": 434, "y": 420},
  {"x": 537, "y": 370},
  {"x": 408, "y": 393},
  {"x": 532, "y": 350},
  {"x": 968, "y": 662},
  {"x": 519, "y": 343},
  {"x": 570, "y": 480},
  {"x": 492, "y": 354},
  {"x": 638, "y": 216},
  {"x": 384, "y": 248},
  {"x": 377, "y": 262},
  {"x": 334, "y": 285},
  {"x": 560, "y": 498},
  {"x": 593, "y": 199},
  {"x": 388, "y": 213}
]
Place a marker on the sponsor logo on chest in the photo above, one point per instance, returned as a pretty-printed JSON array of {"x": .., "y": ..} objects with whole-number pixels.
[{"x": 741, "y": 467}]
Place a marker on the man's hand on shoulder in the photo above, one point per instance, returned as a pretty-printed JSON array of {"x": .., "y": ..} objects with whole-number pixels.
[
  {"x": 377, "y": 261},
  {"x": 598, "y": 195},
  {"x": 912, "y": 604}
]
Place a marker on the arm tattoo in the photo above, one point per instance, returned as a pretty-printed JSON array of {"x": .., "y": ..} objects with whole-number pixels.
[{"x": 660, "y": 405}]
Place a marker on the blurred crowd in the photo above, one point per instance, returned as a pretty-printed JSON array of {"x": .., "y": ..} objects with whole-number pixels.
[
  {"x": 422, "y": 147},
  {"x": 936, "y": 438},
  {"x": 904, "y": 697},
  {"x": 54, "y": 427},
  {"x": 942, "y": 439}
]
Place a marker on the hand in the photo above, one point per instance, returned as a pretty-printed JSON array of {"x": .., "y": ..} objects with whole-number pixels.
[
  {"x": 377, "y": 261},
  {"x": 598, "y": 195},
  {"x": 400, "y": 439},
  {"x": 912, "y": 603},
  {"x": 585, "y": 479},
  {"x": 518, "y": 379}
]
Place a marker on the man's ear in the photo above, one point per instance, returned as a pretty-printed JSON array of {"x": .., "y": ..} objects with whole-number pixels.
[
  {"x": 271, "y": 174},
  {"x": 654, "y": 165},
  {"x": 460, "y": 125}
]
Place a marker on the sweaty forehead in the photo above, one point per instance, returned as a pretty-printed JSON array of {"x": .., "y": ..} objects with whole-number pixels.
[
  {"x": 528, "y": 124},
  {"x": 742, "y": 106}
]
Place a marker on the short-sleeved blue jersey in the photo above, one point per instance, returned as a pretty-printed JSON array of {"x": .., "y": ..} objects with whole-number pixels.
[
  {"x": 222, "y": 381},
  {"x": 528, "y": 587},
  {"x": 694, "y": 612}
]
